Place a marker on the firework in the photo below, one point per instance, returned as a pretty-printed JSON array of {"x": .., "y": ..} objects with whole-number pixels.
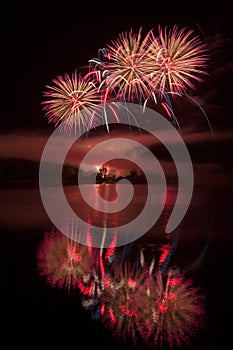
[
  {"x": 139, "y": 68},
  {"x": 132, "y": 68},
  {"x": 176, "y": 59},
  {"x": 124, "y": 69},
  {"x": 73, "y": 102}
]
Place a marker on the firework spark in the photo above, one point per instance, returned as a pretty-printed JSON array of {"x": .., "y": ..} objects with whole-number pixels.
[
  {"x": 73, "y": 101},
  {"x": 176, "y": 58}
]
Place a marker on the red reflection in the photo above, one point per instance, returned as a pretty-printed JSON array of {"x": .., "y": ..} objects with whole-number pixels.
[
  {"x": 62, "y": 261},
  {"x": 178, "y": 311},
  {"x": 136, "y": 301}
]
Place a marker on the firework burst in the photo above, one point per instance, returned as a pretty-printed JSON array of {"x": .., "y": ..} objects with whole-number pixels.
[
  {"x": 176, "y": 59},
  {"x": 124, "y": 70},
  {"x": 73, "y": 102},
  {"x": 132, "y": 68}
]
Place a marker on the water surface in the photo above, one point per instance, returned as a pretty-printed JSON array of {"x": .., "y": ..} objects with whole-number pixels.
[{"x": 54, "y": 310}]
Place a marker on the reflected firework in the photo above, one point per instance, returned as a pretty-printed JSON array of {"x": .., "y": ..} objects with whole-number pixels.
[
  {"x": 178, "y": 312},
  {"x": 62, "y": 261},
  {"x": 121, "y": 303},
  {"x": 141, "y": 302},
  {"x": 161, "y": 311},
  {"x": 137, "y": 301}
]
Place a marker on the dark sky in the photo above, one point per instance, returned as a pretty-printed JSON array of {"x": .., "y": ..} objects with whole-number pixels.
[{"x": 43, "y": 39}]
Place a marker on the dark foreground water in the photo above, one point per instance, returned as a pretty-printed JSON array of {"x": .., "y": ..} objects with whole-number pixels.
[{"x": 156, "y": 292}]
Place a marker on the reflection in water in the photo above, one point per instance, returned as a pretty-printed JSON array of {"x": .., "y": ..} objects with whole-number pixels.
[
  {"x": 62, "y": 261},
  {"x": 144, "y": 300},
  {"x": 176, "y": 310}
]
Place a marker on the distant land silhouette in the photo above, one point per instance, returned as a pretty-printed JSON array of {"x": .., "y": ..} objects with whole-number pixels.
[{"x": 16, "y": 173}]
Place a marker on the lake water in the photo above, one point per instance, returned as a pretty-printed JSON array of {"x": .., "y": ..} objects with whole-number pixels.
[{"x": 155, "y": 292}]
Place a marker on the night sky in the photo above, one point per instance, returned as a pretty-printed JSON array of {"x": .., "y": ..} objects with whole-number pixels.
[{"x": 45, "y": 38}]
